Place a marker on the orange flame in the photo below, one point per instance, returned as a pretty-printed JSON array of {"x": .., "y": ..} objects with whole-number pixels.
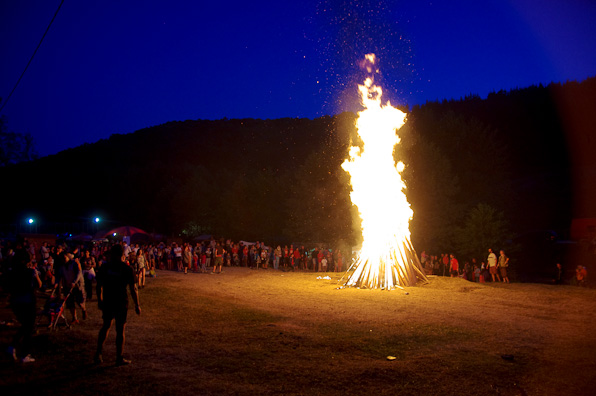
[{"x": 386, "y": 259}]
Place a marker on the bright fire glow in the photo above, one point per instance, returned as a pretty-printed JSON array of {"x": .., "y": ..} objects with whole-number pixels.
[{"x": 387, "y": 258}]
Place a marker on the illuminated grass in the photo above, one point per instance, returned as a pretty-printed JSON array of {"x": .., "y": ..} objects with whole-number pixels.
[{"x": 258, "y": 332}]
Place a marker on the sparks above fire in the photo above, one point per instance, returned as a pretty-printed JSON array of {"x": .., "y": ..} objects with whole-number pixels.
[{"x": 387, "y": 258}]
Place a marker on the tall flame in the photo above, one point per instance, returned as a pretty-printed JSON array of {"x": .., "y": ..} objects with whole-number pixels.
[{"x": 387, "y": 258}]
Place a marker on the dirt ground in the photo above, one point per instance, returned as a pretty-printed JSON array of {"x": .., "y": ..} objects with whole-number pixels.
[{"x": 249, "y": 332}]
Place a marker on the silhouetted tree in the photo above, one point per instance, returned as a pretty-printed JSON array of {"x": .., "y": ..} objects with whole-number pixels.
[
  {"x": 15, "y": 147},
  {"x": 484, "y": 227}
]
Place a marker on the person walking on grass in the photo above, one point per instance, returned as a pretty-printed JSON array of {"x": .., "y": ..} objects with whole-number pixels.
[
  {"x": 113, "y": 278},
  {"x": 454, "y": 266},
  {"x": 445, "y": 262},
  {"x": 503, "y": 264},
  {"x": 70, "y": 277},
  {"x": 177, "y": 256},
  {"x": 492, "y": 265},
  {"x": 339, "y": 262},
  {"x": 186, "y": 258},
  {"x": 219, "y": 252},
  {"x": 141, "y": 267}
]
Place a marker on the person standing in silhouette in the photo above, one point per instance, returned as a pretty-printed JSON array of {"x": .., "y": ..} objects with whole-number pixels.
[{"x": 113, "y": 278}]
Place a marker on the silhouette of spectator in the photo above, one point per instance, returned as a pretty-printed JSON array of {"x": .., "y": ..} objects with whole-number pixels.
[
  {"x": 70, "y": 277},
  {"x": 503, "y": 264},
  {"x": 581, "y": 275},
  {"x": 559, "y": 274},
  {"x": 22, "y": 281},
  {"x": 492, "y": 265},
  {"x": 113, "y": 278}
]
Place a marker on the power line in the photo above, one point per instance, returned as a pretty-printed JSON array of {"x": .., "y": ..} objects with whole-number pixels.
[{"x": 32, "y": 56}]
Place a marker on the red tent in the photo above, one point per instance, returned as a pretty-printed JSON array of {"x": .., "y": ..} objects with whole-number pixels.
[{"x": 124, "y": 231}]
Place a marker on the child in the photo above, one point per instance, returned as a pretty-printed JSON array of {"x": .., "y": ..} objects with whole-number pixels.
[
  {"x": 483, "y": 273},
  {"x": 48, "y": 273},
  {"x": 477, "y": 273},
  {"x": 195, "y": 261},
  {"x": 203, "y": 261},
  {"x": 324, "y": 264}
]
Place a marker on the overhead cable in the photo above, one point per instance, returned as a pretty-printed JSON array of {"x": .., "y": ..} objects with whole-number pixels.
[{"x": 32, "y": 56}]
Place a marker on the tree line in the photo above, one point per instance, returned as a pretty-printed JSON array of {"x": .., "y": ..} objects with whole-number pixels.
[{"x": 495, "y": 167}]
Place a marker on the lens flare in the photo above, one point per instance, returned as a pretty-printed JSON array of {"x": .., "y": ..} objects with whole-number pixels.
[{"x": 387, "y": 258}]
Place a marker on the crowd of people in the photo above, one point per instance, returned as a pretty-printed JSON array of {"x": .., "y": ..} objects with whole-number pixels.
[
  {"x": 492, "y": 269},
  {"x": 67, "y": 274},
  {"x": 56, "y": 263},
  {"x": 211, "y": 256},
  {"x": 70, "y": 272}
]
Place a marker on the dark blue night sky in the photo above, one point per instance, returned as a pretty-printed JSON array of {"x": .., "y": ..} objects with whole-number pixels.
[{"x": 117, "y": 66}]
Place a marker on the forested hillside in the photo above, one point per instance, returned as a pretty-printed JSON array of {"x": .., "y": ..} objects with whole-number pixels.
[{"x": 515, "y": 157}]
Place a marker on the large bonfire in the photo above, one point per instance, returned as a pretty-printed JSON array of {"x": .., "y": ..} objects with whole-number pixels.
[{"x": 387, "y": 258}]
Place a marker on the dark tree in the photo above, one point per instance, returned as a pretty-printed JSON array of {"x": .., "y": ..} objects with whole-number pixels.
[{"x": 15, "y": 147}]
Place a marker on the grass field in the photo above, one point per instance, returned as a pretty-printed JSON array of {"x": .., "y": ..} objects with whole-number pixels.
[{"x": 247, "y": 332}]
